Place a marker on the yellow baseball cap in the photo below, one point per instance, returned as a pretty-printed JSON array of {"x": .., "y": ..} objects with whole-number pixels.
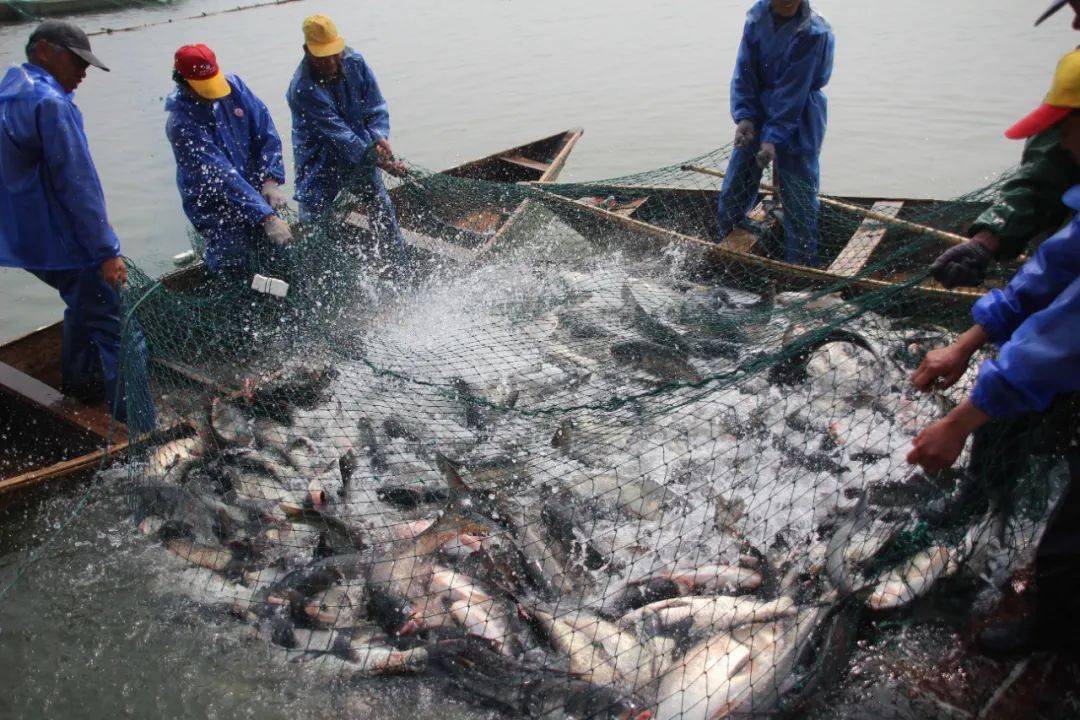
[
  {"x": 1063, "y": 99},
  {"x": 321, "y": 36}
]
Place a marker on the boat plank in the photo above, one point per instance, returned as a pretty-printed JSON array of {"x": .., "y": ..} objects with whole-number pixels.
[
  {"x": 856, "y": 254},
  {"x": 522, "y": 161},
  {"x": 80, "y": 464},
  {"x": 31, "y": 390}
]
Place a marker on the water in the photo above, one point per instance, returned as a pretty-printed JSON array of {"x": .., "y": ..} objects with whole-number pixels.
[{"x": 920, "y": 96}]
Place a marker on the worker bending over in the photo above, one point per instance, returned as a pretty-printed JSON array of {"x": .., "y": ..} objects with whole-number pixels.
[
  {"x": 341, "y": 133},
  {"x": 228, "y": 165}
]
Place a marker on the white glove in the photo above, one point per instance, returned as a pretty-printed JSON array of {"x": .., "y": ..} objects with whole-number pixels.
[
  {"x": 272, "y": 194},
  {"x": 277, "y": 230}
]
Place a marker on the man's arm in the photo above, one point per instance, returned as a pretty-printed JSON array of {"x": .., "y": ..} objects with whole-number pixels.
[
  {"x": 316, "y": 110},
  {"x": 376, "y": 111},
  {"x": 1030, "y": 203},
  {"x": 75, "y": 179},
  {"x": 210, "y": 175},
  {"x": 745, "y": 100},
  {"x": 1040, "y": 361},
  {"x": 268, "y": 142},
  {"x": 1055, "y": 265},
  {"x": 811, "y": 59}
]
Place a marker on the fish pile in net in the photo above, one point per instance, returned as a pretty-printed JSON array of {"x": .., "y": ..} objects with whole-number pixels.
[{"x": 593, "y": 476}]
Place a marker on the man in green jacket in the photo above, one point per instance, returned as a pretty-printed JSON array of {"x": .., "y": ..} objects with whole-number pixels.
[{"x": 1030, "y": 207}]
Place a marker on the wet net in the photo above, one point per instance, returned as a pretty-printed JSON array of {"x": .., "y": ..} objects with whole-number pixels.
[{"x": 576, "y": 450}]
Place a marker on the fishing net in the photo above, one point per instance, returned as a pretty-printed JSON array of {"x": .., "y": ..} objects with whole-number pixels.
[{"x": 578, "y": 458}]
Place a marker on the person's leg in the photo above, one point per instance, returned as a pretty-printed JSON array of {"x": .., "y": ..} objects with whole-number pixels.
[
  {"x": 91, "y": 353},
  {"x": 1057, "y": 571},
  {"x": 80, "y": 364},
  {"x": 799, "y": 177},
  {"x": 740, "y": 190}
]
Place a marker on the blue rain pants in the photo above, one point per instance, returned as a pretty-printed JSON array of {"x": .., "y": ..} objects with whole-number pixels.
[
  {"x": 799, "y": 177},
  {"x": 91, "y": 355}
]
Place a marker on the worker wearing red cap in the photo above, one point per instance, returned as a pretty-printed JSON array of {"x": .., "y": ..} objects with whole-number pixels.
[
  {"x": 1035, "y": 322},
  {"x": 228, "y": 164},
  {"x": 1029, "y": 208}
]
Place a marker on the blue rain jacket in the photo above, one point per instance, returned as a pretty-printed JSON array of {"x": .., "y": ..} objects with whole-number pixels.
[
  {"x": 52, "y": 208},
  {"x": 779, "y": 76},
  {"x": 335, "y": 125},
  {"x": 1036, "y": 321},
  {"x": 224, "y": 152}
]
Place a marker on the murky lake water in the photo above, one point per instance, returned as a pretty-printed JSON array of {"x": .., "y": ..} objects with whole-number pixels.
[{"x": 921, "y": 93}]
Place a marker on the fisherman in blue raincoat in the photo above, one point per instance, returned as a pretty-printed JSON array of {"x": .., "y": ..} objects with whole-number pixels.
[
  {"x": 228, "y": 164},
  {"x": 785, "y": 60},
  {"x": 341, "y": 133},
  {"x": 53, "y": 221},
  {"x": 1035, "y": 322}
]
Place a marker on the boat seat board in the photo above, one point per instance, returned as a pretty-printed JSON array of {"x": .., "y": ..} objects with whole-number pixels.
[
  {"x": 740, "y": 241},
  {"x": 853, "y": 259},
  {"x": 522, "y": 161},
  {"x": 28, "y": 389}
]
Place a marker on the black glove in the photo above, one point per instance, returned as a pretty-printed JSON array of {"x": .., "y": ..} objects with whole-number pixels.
[
  {"x": 962, "y": 265},
  {"x": 745, "y": 134}
]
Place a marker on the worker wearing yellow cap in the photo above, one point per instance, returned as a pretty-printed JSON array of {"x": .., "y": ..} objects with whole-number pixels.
[
  {"x": 1030, "y": 207},
  {"x": 228, "y": 165},
  {"x": 341, "y": 132}
]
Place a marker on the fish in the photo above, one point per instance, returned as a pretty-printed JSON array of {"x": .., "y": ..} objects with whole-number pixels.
[
  {"x": 679, "y": 582},
  {"x": 637, "y": 495},
  {"x": 412, "y": 496},
  {"x": 910, "y": 580},
  {"x": 171, "y": 462},
  {"x": 580, "y": 326},
  {"x": 652, "y": 329},
  {"x": 656, "y": 360},
  {"x": 470, "y": 401},
  {"x": 369, "y": 441},
  {"x": 587, "y": 661},
  {"x": 636, "y": 662},
  {"x": 397, "y": 428},
  {"x": 203, "y": 520},
  {"x": 399, "y": 572},
  {"x": 708, "y": 613},
  {"x": 696, "y": 686},
  {"x": 229, "y": 424},
  {"x": 201, "y": 555},
  {"x": 792, "y": 369},
  {"x": 524, "y": 688}
]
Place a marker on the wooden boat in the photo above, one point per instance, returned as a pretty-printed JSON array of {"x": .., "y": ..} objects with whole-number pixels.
[
  {"x": 22, "y": 10},
  {"x": 871, "y": 255},
  {"x": 48, "y": 436},
  {"x": 445, "y": 220}
]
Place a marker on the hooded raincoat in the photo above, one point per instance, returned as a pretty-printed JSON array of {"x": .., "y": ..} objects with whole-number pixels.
[
  {"x": 51, "y": 202},
  {"x": 778, "y": 83},
  {"x": 1036, "y": 322},
  {"x": 336, "y": 124},
  {"x": 224, "y": 152}
]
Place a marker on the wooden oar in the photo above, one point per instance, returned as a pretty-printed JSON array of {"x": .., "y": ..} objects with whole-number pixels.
[{"x": 951, "y": 238}]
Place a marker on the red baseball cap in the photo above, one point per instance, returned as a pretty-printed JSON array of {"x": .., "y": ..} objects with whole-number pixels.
[
  {"x": 198, "y": 65},
  {"x": 1062, "y": 100}
]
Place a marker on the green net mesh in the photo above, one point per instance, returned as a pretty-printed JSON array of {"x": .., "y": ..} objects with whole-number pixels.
[{"x": 584, "y": 458}]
